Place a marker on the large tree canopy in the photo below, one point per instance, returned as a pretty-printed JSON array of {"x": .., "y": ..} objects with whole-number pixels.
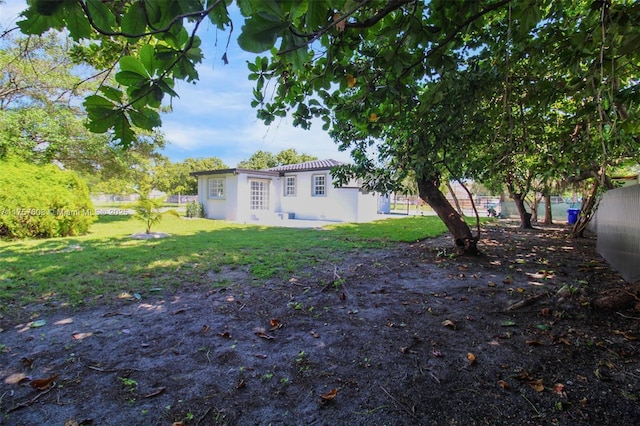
[
  {"x": 261, "y": 160},
  {"x": 175, "y": 178},
  {"x": 516, "y": 91},
  {"x": 41, "y": 121}
]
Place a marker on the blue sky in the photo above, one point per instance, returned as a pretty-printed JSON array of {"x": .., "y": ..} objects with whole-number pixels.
[{"x": 214, "y": 118}]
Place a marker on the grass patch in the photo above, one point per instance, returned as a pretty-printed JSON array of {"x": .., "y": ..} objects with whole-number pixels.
[{"x": 108, "y": 262}]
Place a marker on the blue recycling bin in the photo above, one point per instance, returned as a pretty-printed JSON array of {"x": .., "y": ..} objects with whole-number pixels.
[{"x": 572, "y": 215}]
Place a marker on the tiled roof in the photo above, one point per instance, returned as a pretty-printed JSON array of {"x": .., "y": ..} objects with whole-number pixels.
[
  {"x": 300, "y": 167},
  {"x": 309, "y": 165}
]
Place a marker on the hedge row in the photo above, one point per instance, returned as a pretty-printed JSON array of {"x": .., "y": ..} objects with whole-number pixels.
[{"x": 42, "y": 201}]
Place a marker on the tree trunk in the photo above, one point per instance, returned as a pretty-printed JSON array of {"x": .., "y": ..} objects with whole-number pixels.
[
  {"x": 533, "y": 206},
  {"x": 548, "y": 217},
  {"x": 525, "y": 216},
  {"x": 429, "y": 191},
  {"x": 534, "y": 209},
  {"x": 455, "y": 198},
  {"x": 587, "y": 209}
]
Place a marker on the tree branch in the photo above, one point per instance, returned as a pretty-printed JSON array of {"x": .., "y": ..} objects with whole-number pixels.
[
  {"x": 390, "y": 7},
  {"x": 453, "y": 35},
  {"x": 199, "y": 14},
  {"x": 316, "y": 35}
]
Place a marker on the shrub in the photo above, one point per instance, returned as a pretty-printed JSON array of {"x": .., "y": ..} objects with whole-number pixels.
[
  {"x": 42, "y": 201},
  {"x": 195, "y": 209}
]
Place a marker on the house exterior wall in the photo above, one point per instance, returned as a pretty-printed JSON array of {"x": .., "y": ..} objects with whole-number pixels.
[
  {"x": 307, "y": 206},
  {"x": 224, "y": 208},
  {"x": 244, "y": 211},
  {"x": 345, "y": 204},
  {"x": 368, "y": 206}
]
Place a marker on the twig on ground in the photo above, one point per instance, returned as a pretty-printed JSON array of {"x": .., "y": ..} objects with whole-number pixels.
[
  {"x": 336, "y": 279},
  {"x": 403, "y": 406},
  {"x": 206, "y": 413},
  {"x": 103, "y": 370},
  {"x": 632, "y": 294},
  {"x": 627, "y": 316},
  {"x": 526, "y": 302},
  {"x": 31, "y": 401},
  {"x": 531, "y": 403}
]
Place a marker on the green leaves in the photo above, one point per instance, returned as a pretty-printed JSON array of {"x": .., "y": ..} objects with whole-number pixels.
[
  {"x": 108, "y": 113},
  {"x": 57, "y": 14},
  {"x": 135, "y": 65},
  {"x": 145, "y": 118},
  {"x": 260, "y": 34},
  {"x": 219, "y": 16},
  {"x": 147, "y": 73},
  {"x": 133, "y": 73},
  {"x": 296, "y": 50},
  {"x": 134, "y": 20},
  {"x": 129, "y": 78},
  {"x": 101, "y": 112},
  {"x": 384, "y": 68},
  {"x": 283, "y": 11},
  {"x": 102, "y": 17},
  {"x": 145, "y": 91},
  {"x": 105, "y": 115}
]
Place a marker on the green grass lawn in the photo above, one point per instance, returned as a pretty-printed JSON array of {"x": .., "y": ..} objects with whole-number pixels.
[{"x": 108, "y": 262}]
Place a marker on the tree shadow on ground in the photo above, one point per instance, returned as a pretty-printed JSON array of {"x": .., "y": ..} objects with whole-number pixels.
[{"x": 404, "y": 336}]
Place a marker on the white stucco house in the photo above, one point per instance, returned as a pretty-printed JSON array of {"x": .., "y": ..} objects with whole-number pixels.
[{"x": 303, "y": 191}]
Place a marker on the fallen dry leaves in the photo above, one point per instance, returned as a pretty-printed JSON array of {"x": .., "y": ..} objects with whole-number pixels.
[
  {"x": 43, "y": 384},
  {"x": 536, "y": 385},
  {"x": 156, "y": 392},
  {"x": 472, "y": 358},
  {"x": 449, "y": 323},
  {"x": 503, "y": 384},
  {"x": 275, "y": 324},
  {"x": 329, "y": 396},
  {"x": 264, "y": 335},
  {"x": 626, "y": 335}
]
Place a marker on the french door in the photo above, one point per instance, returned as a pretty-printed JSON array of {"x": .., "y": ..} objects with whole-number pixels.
[{"x": 259, "y": 194}]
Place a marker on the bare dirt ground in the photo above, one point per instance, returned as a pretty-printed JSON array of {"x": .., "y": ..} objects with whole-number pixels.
[{"x": 404, "y": 336}]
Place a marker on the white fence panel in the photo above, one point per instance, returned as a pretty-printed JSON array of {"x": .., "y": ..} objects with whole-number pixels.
[{"x": 618, "y": 229}]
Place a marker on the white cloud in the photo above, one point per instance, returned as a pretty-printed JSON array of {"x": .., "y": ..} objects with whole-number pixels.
[
  {"x": 244, "y": 137},
  {"x": 282, "y": 135},
  {"x": 206, "y": 99}
]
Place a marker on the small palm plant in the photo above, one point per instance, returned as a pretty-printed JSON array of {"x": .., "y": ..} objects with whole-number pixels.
[{"x": 148, "y": 210}]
